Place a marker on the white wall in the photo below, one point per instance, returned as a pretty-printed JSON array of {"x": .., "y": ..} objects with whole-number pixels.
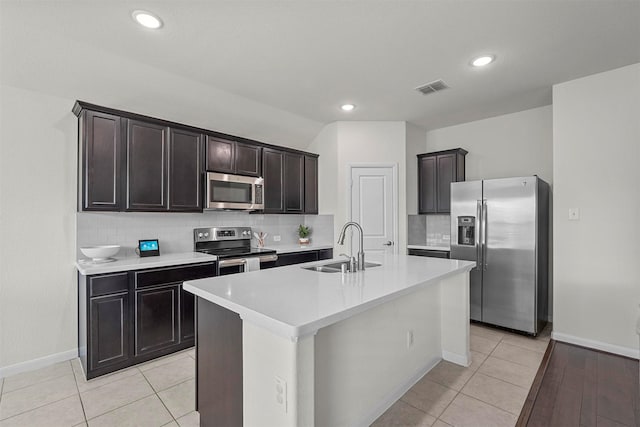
[
  {"x": 596, "y": 134},
  {"x": 342, "y": 143},
  {"x": 517, "y": 144},
  {"x": 38, "y": 291}
]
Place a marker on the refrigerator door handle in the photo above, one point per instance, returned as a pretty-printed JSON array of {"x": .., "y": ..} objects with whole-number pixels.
[
  {"x": 484, "y": 235},
  {"x": 478, "y": 242}
]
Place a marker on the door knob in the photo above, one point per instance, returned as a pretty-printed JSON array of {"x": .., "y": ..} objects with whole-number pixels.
[{"x": 389, "y": 243}]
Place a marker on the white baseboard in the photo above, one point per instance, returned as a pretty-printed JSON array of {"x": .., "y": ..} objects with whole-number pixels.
[
  {"x": 396, "y": 394},
  {"x": 597, "y": 345},
  {"x": 41, "y": 362},
  {"x": 458, "y": 359}
]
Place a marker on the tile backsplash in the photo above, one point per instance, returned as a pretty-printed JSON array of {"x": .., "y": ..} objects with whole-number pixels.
[
  {"x": 175, "y": 230},
  {"x": 429, "y": 230}
]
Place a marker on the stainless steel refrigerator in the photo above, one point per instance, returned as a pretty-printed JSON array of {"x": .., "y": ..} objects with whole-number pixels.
[{"x": 503, "y": 225}]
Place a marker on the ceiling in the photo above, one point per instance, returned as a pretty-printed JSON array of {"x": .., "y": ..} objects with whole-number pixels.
[{"x": 302, "y": 59}]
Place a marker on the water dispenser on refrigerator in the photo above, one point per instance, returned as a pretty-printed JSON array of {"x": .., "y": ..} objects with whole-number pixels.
[{"x": 467, "y": 230}]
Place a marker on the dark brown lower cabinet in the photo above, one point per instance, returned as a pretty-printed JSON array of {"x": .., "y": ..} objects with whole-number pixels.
[
  {"x": 131, "y": 317},
  {"x": 303, "y": 256},
  {"x": 187, "y": 315},
  {"x": 428, "y": 253},
  {"x": 157, "y": 318},
  {"x": 109, "y": 330}
]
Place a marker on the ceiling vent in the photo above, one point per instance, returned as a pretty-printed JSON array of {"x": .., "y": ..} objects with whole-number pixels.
[{"x": 432, "y": 87}]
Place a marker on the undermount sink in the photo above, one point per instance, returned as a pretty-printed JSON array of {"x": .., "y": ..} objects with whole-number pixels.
[{"x": 336, "y": 267}]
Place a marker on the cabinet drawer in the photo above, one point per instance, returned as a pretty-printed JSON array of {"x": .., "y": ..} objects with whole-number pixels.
[
  {"x": 108, "y": 284},
  {"x": 325, "y": 254},
  {"x": 429, "y": 253},
  {"x": 164, "y": 275}
]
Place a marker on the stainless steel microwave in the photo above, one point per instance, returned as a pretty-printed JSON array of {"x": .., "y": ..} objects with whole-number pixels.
[{"x": 239, "y": 192}]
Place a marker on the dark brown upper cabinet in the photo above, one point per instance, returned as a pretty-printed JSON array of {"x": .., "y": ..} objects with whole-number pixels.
[
  {"x": 101, "y": 157},
  {"x": 273, "y": 174},
  {"x": 310, "y": 184},
  {"x": 185, "y": 171},
  {"x": 147, "y": 166},
  {"x": 293, "y": 183},
  {"x": 131, "y": 162},
  {"x": 226, "y": 156},
  {"x": 290, "y": 182},
  {"x": 436, "y": 172}
]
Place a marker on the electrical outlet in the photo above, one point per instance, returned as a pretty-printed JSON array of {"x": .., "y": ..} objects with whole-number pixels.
[
  {"x": 409, "y": 338},
  {"x": 276, "y": 238},
  {"x": 281, "y": 393}
]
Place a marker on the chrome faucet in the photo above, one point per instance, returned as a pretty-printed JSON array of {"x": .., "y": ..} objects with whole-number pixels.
[{"x": 361, "y": 251}]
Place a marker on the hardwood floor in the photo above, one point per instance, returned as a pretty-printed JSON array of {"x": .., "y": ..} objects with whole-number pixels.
[{"x": 583, "y": 387}]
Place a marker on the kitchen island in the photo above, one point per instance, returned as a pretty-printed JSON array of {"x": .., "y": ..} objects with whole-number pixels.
[{"x": 294, "y": 347}]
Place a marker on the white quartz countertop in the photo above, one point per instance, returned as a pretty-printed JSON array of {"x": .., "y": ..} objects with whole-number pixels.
[
  {"x": 429, "y": 247},
  {"x": 86, "y": 267},
  {"x": 293, "y": 302},
  {"x": 299, "y": 248}
]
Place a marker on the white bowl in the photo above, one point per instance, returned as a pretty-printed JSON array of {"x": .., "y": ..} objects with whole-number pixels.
[{"x": 98, "y": 253}]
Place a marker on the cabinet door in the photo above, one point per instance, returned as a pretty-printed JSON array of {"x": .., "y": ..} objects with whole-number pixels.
[
  {"x": 248, "y": 159},
  {"x": 446, "y": 175},
  {"x": 293, "y": 182},
  {"x": 185, "y": 171},
  {"x": 220, "y": 155},
  {"x": 101, "y": 159},
  {"x": 272, "y": 169},
  {"x": 427, "y": 185},
  {"x": 109, "y": 335},
  {"x": 157, "y": 324},
  {"x": 147, "y": 152},
  {"x": 310, "y": 185},
  {"x": 297, "y": 258},
  {"x": 187, "y": 315}
]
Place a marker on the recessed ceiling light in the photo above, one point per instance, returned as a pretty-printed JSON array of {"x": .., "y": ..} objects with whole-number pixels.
[
  {"x": 147, "y": 19},
  {"x": 347, "y": 107},
  {"x": 483, "y": 60}
]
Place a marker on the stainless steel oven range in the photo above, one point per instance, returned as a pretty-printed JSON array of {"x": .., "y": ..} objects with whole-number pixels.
[{"x": 232, "y": 246}]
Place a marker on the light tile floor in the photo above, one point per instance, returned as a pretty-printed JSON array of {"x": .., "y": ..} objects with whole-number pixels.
[
  {"x": 157, "y": 393},
  {"x": 490, "y": 392}
]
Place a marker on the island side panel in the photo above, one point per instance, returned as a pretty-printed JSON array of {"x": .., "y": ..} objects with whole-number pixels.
[
  {"x": 219, "y": 365},
  {"x": 367, "y": 362},
  {"x": 454, "y": 293},
  {"x": 268, "y": 356}
]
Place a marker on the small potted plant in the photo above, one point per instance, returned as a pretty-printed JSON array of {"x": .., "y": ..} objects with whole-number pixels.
[{"x": 303, "y": 234}]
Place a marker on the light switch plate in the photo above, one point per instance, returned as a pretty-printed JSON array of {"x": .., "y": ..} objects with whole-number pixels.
[{"x": 574, "y": 214}]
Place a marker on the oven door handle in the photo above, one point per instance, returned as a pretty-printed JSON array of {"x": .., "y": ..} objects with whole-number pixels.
[
  {"x": 268, "y": 258},
  {"x": 232, "y": 262}
]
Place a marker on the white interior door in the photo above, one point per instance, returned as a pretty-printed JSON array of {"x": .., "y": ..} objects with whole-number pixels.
[{"x": 374, "y": 206}]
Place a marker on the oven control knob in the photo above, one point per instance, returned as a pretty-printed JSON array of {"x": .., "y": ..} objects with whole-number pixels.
[
  {"x": 199, "y": 234},
  {"x": 206, "y": 234}
]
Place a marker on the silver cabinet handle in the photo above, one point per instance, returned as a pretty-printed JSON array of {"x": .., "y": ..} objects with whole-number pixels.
[
  {"x": 388, "y": 243},
  {"x": 268, "y": 258},
  {"x": 232, "y": 262}
]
